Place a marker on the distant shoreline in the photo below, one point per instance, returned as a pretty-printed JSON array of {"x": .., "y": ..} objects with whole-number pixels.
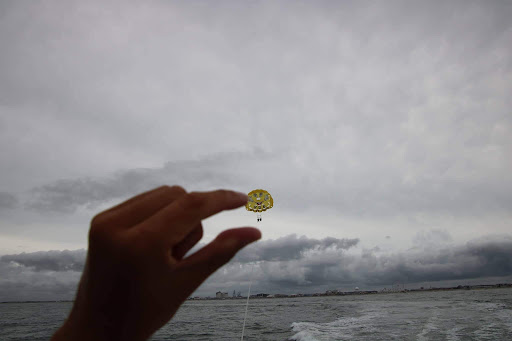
[
  {"x": 332, "y": 293},
  {"x": 362, "y": 292}
]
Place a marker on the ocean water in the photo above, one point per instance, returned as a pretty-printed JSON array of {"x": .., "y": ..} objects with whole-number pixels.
[{"x": 445, "y": 315}]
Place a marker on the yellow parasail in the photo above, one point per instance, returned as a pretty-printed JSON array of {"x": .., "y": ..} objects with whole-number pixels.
[{"x": 259, "y": 201}]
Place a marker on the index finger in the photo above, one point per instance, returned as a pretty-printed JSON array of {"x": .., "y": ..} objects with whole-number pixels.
[{"x": 175, "y": 221}]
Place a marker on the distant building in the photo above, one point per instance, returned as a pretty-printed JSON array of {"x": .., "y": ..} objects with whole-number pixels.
[{"x": 220, "y": 294}]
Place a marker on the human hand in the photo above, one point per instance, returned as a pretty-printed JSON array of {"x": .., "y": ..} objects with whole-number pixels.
[{"x": 135, "y": 277}]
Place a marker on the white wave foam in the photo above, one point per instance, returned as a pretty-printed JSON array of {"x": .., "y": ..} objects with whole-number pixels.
[
  {"x": 430, "y": 326},
  {"x": 505, "y": 316},
  {"x": 339, "y": 330},
  {"x": 453, "y": 334}
]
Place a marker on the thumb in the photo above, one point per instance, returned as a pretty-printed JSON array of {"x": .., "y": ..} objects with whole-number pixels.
[{"x": 196, "y": 268}]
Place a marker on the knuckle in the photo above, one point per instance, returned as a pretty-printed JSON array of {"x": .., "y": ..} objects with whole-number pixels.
[
  {"x": 98, "y": 233},
  {"x": 98, "y": 220},
  {"x": 164, "y": 188},
  {"x": 177, "y": 189},
  {"x": 172, "y": 189},
  {"x": 100, "y": 230},
  {"x": 172, "y": 193},
  {"x": 193, "y": 199}
]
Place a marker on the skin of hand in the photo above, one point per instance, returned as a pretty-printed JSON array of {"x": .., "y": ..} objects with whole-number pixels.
[{"x": 135, "y": 276}]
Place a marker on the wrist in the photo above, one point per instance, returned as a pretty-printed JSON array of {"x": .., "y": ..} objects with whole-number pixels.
[
  {"x": 84, "y": 325},
  {"x": 80, "y": 330}
]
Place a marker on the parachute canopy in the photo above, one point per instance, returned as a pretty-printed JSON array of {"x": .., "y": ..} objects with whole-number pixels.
[{"x": 259, "y": 201}]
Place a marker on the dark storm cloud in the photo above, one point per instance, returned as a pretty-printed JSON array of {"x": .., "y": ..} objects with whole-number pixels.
[
  {"x": 304, "y": 264},
  {"x": 45, "y": 275},
  {"x": 18, "y": 283},
  {"x": 291, "y": 247},
  {"x": 57, "y": 261},
  {"x": 485, "y": 258},
  {"x": 337, "y": 268},
  {"x": 8, "y": 200}
]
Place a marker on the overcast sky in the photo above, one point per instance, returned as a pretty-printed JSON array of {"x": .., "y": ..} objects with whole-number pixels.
[{"x": 383, "y": 130}]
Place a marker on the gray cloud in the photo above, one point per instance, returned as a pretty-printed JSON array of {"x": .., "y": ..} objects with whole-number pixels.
[
  {"x": 357, "y": 194},
  {"x": 27, "y": 286},
  {"x": 484, "y": 258},
  {"x": 390, "y": 116},
  {"x": 336, "y": 268},
  {"x": 431, "y": 238},
  {"x": 303, "y": 265},
  {"x": 291, "y": 247},
  {"x": 45, "y": 275},
  {"x": 70, "y": 194},
  {"x": 8, "y": 200},
  {"x": 379, "y": 107},
  {"x": 57, "y": 261}
]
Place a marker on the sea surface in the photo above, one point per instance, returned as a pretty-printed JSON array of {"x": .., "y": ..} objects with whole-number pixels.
[{"x": 442, "y": 315}]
